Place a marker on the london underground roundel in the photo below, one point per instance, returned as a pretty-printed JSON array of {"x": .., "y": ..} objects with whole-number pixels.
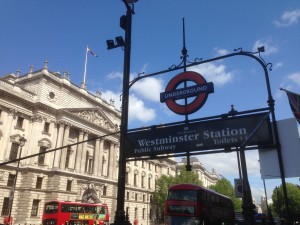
[{"x": 199, "y": 92}]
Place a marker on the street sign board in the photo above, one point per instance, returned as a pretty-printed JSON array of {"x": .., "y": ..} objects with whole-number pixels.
[
  {"x": 238, "y": 187},
  {"x": 212, "y": 134}
]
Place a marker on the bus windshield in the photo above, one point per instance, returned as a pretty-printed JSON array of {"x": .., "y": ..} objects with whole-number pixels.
[{"x": 182, "y": 195}]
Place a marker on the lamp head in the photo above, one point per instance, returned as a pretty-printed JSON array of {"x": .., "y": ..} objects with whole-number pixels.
[
  {"x": 110, "y": 44},
  {"x": 120, "y": 41}
]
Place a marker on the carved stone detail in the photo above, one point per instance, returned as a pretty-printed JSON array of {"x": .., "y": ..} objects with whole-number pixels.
[{"x": 95, "y": 118}]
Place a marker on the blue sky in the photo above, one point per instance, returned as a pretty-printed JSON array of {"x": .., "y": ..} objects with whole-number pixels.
[{"x": 59, "y": 31}]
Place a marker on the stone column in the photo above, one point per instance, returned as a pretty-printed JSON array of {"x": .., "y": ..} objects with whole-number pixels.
[
  {"x": 57, "y": 155},
  {"x": 111, "y": 160},
  {"x": 115, "y": 160},
  {"x": 5, "y": 140},
  {"x": 35, "y": 134},
  {"x": 83, "y": 153},
  {"x": 96, "y": 157},
  {"x": 99, "y": 172},
  {"x": 64, "y": 150},
  {"x": 79, "y": 152}
]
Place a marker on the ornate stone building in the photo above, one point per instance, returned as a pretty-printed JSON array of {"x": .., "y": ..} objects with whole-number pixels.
[{"x": 51, "y": 112}]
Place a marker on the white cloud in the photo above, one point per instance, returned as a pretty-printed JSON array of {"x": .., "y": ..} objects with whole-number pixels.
[
  {"x": 290, "y": 82},
  {"x": 270, "y": 48},
  {"x": 114, "y": 75},
  {"x": 295, "y": 77},
  {"x": 288, "y": 18},
  {"x": 221, "y": 52},
  {"x": 226, "y": 164},
  {"x": 147, "y": 86},
  {"x": 109, "y": 95},
  {"x": 214, "y": 73},
  {"x": 277, "y": 65},
  {"x": 138, "y": 111}
]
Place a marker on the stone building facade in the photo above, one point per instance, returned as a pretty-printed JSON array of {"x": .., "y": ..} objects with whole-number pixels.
[
  {"x": 51, "y": 112},
  {"x": 207, "y": 178}
]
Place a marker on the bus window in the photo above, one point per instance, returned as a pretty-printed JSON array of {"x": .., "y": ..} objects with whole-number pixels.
[{"x": 51, "y": 208}]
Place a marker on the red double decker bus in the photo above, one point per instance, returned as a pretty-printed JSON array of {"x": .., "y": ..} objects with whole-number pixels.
[
  {"x": 75, "y": 213},
  {"x": 190, "y": 204}
]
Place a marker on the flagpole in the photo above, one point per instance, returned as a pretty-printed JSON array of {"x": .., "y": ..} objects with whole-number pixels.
[{"x": 84, "y": 75}]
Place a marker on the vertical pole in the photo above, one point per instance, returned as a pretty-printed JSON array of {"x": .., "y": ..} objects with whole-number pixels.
[
  {"x": 239, "y": 163},
  {"x": 271, "y": 103},
  {"x": 248, "y": 206},
  {"x": 120, "y": 217},
  {"x": 84, "y": 74},
  {"x": 266, "y": 197}
]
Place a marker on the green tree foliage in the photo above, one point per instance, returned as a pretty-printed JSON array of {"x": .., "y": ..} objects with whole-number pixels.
[
  {"x": 160, "y": 195},
  {"x": 223, "y": 186},
  {"x": 293, "y": 195},
  {"x": 187, "y": 177},
  {"x": 164, "y": 182}
]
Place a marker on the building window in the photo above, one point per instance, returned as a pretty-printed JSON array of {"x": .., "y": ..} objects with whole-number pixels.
[
  {"x": 144, "y": 211},
  {"x": 150, "y": 214},
  {"x": 5, "y": 206},
  {"x": 14, "y": 151},
  {"x": 144, "y": 198},
  {"x": 143, "y": 181},
  {"x": 127, "y": 211},
  {"x": 135, "y": 180},
  {"x": 39, "y": 182},
  {"x": 104, "y": 193},
  {"x": 126, "y": 177},
  {"x": 35, "y": 207},
  {"x": 136, "y": 197},
  {"x": 69, "y": 185},
  {"x": 11, "y": 180},
  {"x": 41, "y": 157},
  {"x": 149, "y": 183},
  {"x": 69, "y": 152},
  {"x": 149, "y": 166},
  {"x": 46, "y": 127},
  {"x": 88, "y": 163},
  {"x": 127, "y": 195},
  {"x": 136, "y": 213},
  {"x": 20, "y": 122},
  {"x": 143, "y": 164}
]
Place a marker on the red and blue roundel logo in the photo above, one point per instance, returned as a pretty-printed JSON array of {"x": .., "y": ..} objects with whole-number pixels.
[{"x": 200, "y": 91}]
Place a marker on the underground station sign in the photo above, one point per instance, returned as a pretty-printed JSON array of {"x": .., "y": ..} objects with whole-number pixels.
[
  {"x": 212, "y": 134},
  {"x": 200, "y": 91}
]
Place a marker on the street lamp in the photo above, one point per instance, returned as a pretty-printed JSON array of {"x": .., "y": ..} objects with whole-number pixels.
[
  {"x": 22, "y": 142},
  {"x": 125, "y": 23}
]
